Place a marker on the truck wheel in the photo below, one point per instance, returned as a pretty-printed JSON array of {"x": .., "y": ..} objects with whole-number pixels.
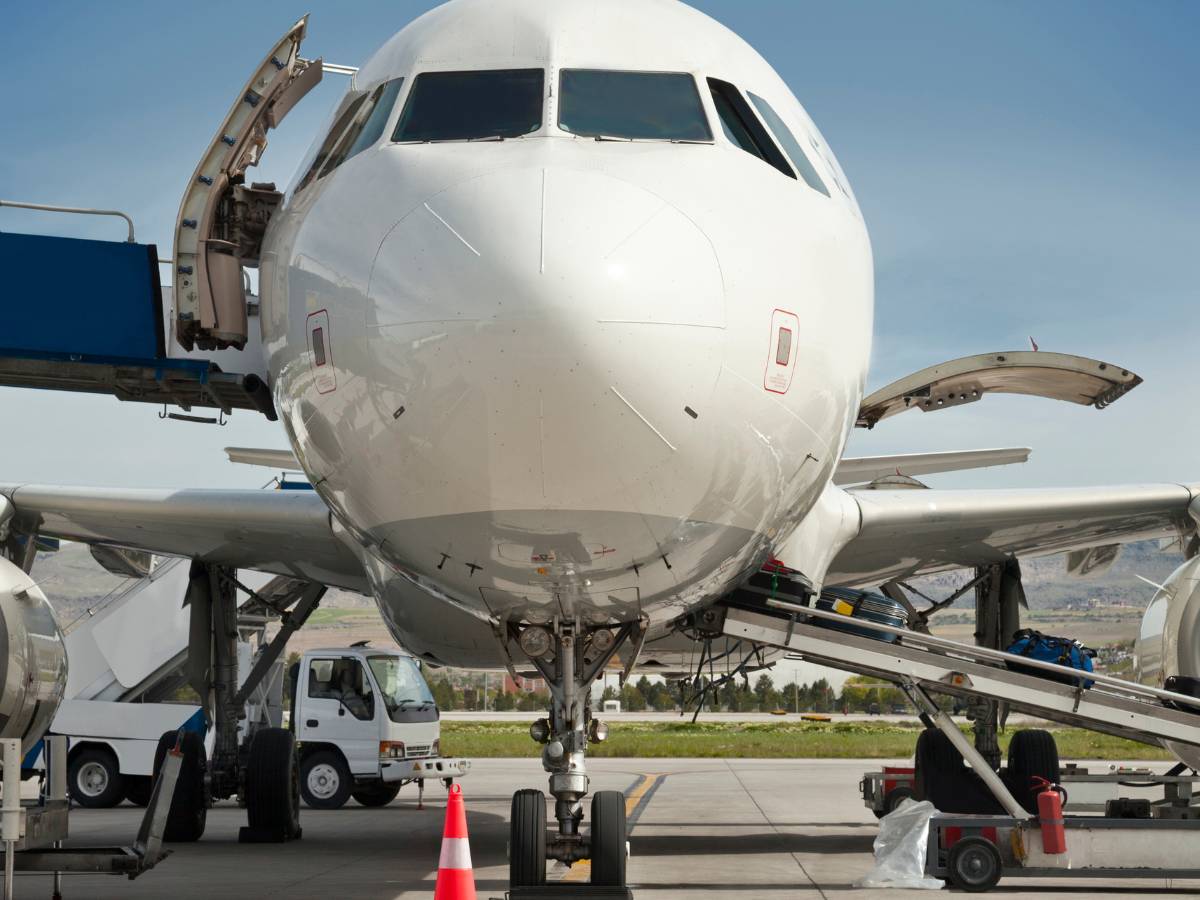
[
  {"x": 138, "y": 788},
  {"x": 380, "y": 793},
  {"x": 273, "y": 786},
  {"x": 325, "y": 780},
  {"x": 95, "y": 779},
  {"x": 189, "y": 807},
  {"x": 608, "y": 838},
  {"x": 974, "y": 865}
]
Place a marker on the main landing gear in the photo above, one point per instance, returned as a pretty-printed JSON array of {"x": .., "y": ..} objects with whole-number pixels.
[
  {"x": 569, "y": 657},
  {"x": 262, "y": 769}
]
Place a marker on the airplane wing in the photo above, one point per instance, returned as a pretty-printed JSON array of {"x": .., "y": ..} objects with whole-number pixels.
[
  {"x": 285, "y": 532},
  {"x": 903, "y": 533},
  {"x": 857, "y": 469}
]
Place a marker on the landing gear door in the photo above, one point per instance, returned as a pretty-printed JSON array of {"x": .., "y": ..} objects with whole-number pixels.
[
  {"x": 1056, "y": 376},
  {"x": 221, "y": 221}
]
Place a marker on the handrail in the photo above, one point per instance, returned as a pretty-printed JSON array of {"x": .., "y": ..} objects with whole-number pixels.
[
  {"x": 932, "y": 641},
  {"x": 42, "y": 207}
]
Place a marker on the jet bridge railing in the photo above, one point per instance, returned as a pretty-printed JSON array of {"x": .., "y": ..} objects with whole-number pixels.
[{"x": 73, "y": 210}]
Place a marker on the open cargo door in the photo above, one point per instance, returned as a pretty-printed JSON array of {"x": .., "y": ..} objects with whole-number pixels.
[
  {"x": 221, "y": 221},
  {"x": 1056, "y": 376}
]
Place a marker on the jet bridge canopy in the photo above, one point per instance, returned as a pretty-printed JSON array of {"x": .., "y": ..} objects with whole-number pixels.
[{"x": 1056, "y": 376}]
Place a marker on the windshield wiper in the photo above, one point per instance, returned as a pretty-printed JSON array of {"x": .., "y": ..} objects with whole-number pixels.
[{"x": 400, "y": 703}]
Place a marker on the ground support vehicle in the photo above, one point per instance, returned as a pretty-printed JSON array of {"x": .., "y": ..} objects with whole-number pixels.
[
  {"x": 974, "y": 851},
  {"x": 32, "y": 830},
  {"x": 1087, "y": 791},
  {"x": 367, "y": 725}
]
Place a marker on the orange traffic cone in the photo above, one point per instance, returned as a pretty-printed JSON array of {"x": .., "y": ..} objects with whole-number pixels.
[{"x": 455, "y": 880}]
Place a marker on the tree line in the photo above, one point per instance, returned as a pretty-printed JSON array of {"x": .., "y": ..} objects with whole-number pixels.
[{"x": 858, "y": 695}]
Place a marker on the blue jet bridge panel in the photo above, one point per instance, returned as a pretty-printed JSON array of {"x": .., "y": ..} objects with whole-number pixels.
[
  {"x": 86, "y": 316},
  {"x": 80, "y": 300}
]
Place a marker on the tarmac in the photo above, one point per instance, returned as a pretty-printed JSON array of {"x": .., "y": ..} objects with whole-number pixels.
[{"x": 700, "y": 828}]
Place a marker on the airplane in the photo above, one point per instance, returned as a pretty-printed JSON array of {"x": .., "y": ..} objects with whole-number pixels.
[{"x": 567, "y": 315}]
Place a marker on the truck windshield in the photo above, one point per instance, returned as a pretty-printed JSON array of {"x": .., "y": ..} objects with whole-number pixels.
[{"x": 400, "y": 683}]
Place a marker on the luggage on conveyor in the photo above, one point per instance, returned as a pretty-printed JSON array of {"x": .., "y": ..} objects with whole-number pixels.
[
  {"x": 1047, "y": 648},
  {"x": 862, "y": 605}
]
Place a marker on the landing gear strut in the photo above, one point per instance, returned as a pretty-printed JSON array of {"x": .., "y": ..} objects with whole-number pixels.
[
  {"x": 569, "y": 657},
  {"x": 262, "y": 768}
]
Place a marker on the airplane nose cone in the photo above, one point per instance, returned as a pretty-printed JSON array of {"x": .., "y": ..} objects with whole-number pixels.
[
  {"x": 546, "y": 241},
  {"x": 534, "y": 338}
]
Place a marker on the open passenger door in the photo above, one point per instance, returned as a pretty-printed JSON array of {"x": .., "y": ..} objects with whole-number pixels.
[
  {"x": 221, "y": 221},
  {"x": 1057, "y": 376}
]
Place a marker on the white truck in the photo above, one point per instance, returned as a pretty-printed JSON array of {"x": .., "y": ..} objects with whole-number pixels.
[{"x": 366, "y": 724}]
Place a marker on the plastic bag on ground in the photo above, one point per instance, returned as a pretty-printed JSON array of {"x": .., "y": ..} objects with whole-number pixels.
[{"x": 900, "y": 849}]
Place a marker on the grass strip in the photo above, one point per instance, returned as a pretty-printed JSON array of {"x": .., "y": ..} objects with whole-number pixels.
[{"x": 763, "y": 740}]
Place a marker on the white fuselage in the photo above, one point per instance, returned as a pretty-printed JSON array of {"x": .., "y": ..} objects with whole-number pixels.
[{"x": 549, "y": 380}]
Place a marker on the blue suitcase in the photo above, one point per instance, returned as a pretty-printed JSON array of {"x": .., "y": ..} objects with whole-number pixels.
[{"x": 1047, "y": 648}]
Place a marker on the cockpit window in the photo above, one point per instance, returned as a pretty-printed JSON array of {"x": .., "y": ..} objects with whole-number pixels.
[
  {"x": 339, "y": 128},
  {"x": 367, "y": 125},
  {"x": 792, "y": 146},
  {"x": 465, "y": 106},
  {"x": 385, "y": 101},
  {"x": 660, "y": 106},
  {"x": 742, "y": 127}
]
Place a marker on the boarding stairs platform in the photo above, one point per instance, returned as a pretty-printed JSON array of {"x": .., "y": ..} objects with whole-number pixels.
[
  {"x": 927, "y": 663},
  {"x": 132, "y": 645}
]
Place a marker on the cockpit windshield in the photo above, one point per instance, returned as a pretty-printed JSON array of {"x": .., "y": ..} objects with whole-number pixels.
[
  {"x": 465, "y": 106},
  {"x": 661, "y": 106},
  {"x": 400, "y": 683}
]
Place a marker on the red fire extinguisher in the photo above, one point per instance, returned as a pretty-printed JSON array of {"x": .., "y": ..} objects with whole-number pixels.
[{"x": 1050, "y": 814}]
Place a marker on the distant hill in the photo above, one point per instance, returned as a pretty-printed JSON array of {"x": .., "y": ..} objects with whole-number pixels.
[
  {"x": 73, "y": 582},
  {"x": 1048, "y": 586}
]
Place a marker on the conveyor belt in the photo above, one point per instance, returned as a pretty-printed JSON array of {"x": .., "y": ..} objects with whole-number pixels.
[{"x": 1110, "y": 705}]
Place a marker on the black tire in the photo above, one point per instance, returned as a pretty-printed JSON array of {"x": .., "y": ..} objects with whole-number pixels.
[
  {"x": 608, "y": 838},
  {"x": 189, "y": 806},
  {"x": 974, "y": 865},
  {"x": 936, "y": 760},
  {"x": 381, "y": 793},
  {"x": 138, "y": 788},
  {"x": 273, "y": 784},
  {"x": 94, "y": 778},
  {"x": 895, "y": 798},
  {"x": 1032, "y": 754},
  {"x": 527, "y": 840},
  {"x": 325, "y": 780}
]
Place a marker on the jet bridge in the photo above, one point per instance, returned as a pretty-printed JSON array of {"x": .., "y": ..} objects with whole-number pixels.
[{"x": 89, "y": 316}]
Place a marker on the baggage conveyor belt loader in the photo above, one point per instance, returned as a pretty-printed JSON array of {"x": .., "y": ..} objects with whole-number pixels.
[{"x": 973, "y": 852}]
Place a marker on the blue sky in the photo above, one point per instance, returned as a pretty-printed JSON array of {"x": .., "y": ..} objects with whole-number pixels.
[{"x": 1024, "y": 168}]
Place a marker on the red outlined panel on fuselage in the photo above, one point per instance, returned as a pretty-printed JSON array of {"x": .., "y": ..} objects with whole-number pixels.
[
  {"x": 781, "y": 357},
  {"x": 320, "y": 353}
]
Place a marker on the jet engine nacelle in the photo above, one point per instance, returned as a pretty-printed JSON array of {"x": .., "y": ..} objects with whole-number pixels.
[
  {"x": 33, "y": 655},
  {"x": 1169, "y": 640}
]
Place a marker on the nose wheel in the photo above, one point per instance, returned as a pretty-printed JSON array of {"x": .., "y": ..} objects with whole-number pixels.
[
  {"x": 607, "y": 848},
  {"x": 527, "y": 840},
  {"x": 569, "y": 657}
]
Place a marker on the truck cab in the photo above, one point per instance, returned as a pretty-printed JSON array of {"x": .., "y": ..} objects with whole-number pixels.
[{"x": 367, "y": 724}]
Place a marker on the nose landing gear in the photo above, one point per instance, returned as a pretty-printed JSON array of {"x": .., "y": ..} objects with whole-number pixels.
[{"x": 569, "y": 658}]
